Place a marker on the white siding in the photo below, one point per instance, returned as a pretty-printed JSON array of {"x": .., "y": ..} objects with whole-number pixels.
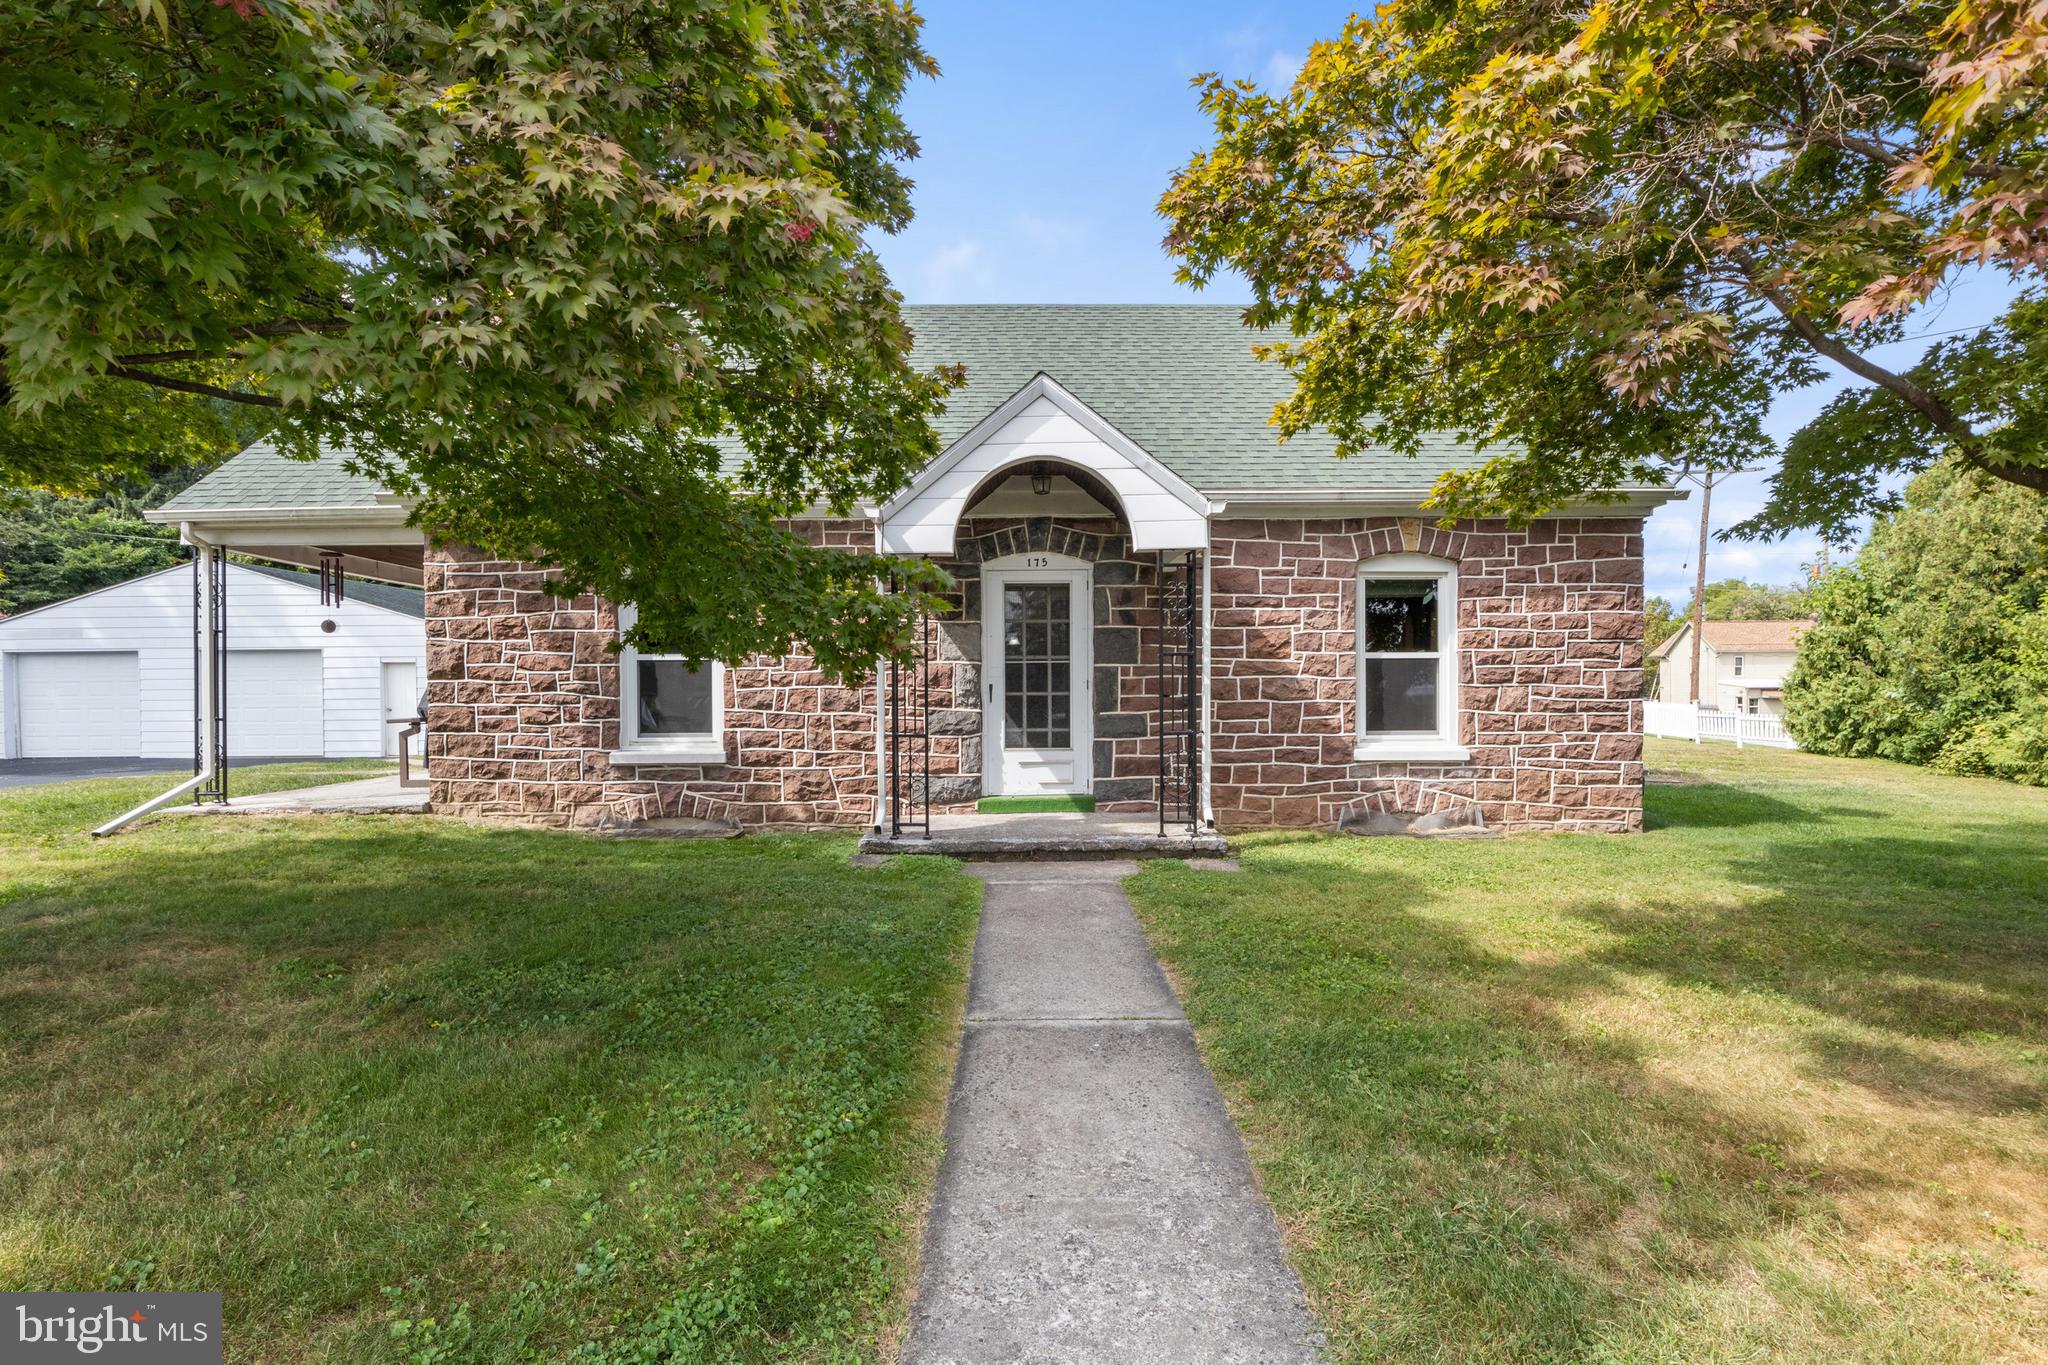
[
  {"x": 1043, "y": 431},
  {"x": 1723, "y": 689},
  {"x": 152, "y": 616}
]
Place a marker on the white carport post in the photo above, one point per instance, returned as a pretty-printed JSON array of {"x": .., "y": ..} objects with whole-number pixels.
[{"x": 209, "y": 609}]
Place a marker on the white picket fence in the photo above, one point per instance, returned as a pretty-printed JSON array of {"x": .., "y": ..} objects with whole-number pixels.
[{"x": 1678, "y": 720}]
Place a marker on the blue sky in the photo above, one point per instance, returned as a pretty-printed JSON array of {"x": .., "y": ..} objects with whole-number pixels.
[{"x": 1053, "y": 129}]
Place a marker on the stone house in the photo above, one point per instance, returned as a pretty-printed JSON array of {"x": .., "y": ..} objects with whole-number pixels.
[{"x": 1157, "y": 607}]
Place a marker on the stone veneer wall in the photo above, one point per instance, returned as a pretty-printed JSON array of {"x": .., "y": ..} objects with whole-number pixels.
[
  {"x": 523, "y": 688},
  {"x": 1124, "y": 688},
  {"x": 1550, "y": 673},
  {"x": 523, "y": 707}
]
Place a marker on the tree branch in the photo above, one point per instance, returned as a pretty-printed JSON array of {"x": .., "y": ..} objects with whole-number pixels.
[
  {"x": 171, "y": 357},
  {"x": 1928, "y": 404},
  {"x": 1873, "y": 150},
  {"x": 192, "y": 386},
  {"x": 289, "y": 327}
]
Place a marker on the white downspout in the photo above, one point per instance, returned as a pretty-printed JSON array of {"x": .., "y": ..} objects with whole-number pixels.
[{"x": 204, "y": 711}]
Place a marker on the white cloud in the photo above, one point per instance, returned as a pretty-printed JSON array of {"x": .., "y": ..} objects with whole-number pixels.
[
  {"x": 1671, "y": 541},
  {"x": 1250, "y": 51},
  {"x": 956, "y": 274},
  {"x": 1238, "y": 44},
  {"x": 1281, "y": 69},
  {"x": 1048, "y": 234}
]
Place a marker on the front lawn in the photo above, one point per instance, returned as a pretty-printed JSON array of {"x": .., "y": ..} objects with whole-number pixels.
[
  {"x": 1764, "y": 1083},
  {"x": 404, "y": 1088}
]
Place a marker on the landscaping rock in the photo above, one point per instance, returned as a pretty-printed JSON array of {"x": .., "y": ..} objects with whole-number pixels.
[{"x": 1460, "y": 822}]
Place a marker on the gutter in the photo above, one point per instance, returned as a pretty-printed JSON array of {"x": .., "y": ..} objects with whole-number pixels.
[
  {"x": 204, "y": 558},
  {"x": 382, "y": 512},
  {"x": 1408, "y": 501},
  {"x": 114, "y": 825}
]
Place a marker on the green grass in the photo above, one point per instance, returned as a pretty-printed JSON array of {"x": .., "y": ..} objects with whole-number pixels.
[
  {"x": 1032, "y": 805},
  {"x": 412, "y": 1089},
  {"x": 1766, "y": 1082}
]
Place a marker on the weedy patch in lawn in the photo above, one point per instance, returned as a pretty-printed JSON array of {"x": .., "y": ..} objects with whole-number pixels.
[
  {"x": 1764, "y": 1083},
  {"x": 407, "y": 1089}
]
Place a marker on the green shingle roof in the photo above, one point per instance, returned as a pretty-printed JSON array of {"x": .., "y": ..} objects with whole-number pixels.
[
  {"x": 261, "y": 477},
  {"x": 1179, "y": 380}
]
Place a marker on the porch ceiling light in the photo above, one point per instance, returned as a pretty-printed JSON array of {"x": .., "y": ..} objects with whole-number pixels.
[{"x": 1041, "y": 484}]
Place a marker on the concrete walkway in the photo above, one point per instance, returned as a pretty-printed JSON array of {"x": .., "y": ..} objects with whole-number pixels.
[
  {"x": 380, "y": 795},
  {"x": 1095, "y": 1203}
]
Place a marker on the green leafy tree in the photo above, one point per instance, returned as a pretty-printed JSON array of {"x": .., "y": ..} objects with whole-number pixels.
[
  {"x": 54, "y": 547},
  {"x": 1737, "y": 599},
  {"x": 1661, "y": 621},
  {"x": 1599, "y": 239},
  {"x": 587, "y": 279},
  {"x": 1932, "y": 646}
]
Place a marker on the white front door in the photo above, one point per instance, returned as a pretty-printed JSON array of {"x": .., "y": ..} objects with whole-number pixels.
[
  {"x": 401, "y": 701},
  {"x": 1035, "y": 632}
]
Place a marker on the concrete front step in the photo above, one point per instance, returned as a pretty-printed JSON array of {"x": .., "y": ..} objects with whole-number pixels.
[
  {"x": 1061, "y": 834},
  {"x": 993, "y": 849},
  {"x": 1051, "y": 833}
]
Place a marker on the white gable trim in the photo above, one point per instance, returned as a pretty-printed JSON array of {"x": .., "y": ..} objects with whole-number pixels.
[{"x": 1042, "y": 421}]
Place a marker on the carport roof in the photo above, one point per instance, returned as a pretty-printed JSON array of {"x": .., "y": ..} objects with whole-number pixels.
[
  {"x": 390, "y": 596},
  {"x": 261, "y": 476}
]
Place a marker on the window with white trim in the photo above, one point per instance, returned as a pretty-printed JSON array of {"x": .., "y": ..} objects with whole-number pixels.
[
  {"x": 669, "y": 712},
  {"x": 1738, "y": 665},
  {"x": 1407, "y": 638}
]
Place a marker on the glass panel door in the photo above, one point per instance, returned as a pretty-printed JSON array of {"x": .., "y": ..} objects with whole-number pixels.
[{"x": 1038, "y": 695}]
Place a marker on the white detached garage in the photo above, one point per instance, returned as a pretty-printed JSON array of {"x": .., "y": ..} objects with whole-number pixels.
[{"x": 109, "y": 674}]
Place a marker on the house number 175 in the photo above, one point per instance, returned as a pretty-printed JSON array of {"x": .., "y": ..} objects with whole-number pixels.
[{"x": 1037, "y": 562}]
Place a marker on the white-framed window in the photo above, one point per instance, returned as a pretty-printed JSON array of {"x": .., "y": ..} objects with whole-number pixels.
[
  {"x": 1738, "y": 665},
  {"x": 669, "y": 712},
  {"x": 1407, "y": 640}
]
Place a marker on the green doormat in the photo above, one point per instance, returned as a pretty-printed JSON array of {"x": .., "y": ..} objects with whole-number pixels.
[{"x": 1032, "y": 805}]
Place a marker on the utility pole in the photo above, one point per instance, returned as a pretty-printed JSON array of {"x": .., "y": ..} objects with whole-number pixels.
[{"x": 1699, "y": 585}]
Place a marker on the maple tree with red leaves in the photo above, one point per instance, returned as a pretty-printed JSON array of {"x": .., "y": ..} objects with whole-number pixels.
[
  {"x": 1600, "y": 240},
  {"x": 588, "y": 280}
]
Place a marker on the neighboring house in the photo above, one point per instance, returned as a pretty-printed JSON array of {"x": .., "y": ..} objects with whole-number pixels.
[
  {"x": 1156, "y": 605},
  {"x": 109, "y": 674},
  {"x": 1742, "y": 665}
]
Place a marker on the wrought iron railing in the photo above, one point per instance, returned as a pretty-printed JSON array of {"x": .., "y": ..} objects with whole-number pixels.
[
  {"x": 1180, "y": 692},
  {"x": 910, "y": 737}
]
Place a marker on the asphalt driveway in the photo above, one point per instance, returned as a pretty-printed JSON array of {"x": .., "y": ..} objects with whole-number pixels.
[{"x": 36, "y": 772}]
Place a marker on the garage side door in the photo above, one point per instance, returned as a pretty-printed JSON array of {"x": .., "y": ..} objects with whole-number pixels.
[
  {"x": 78, "y": 705},
  {"x": 275, "y": 704}
]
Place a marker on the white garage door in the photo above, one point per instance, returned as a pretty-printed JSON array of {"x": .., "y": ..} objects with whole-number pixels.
[
  {"x": 275, "y": 706},
  {"x": 78, "y": 705}
]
